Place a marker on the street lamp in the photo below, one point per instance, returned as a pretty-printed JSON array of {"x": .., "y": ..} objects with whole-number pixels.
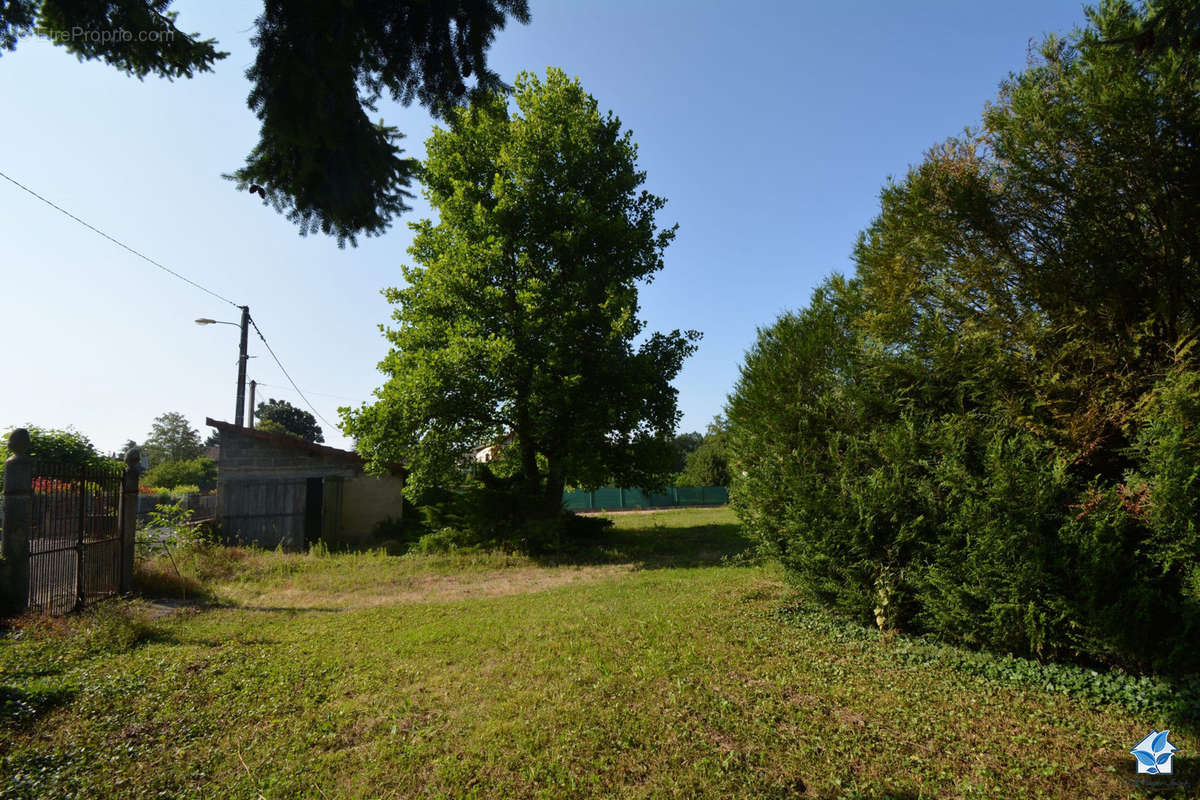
[{"x": 241, "y": 379}]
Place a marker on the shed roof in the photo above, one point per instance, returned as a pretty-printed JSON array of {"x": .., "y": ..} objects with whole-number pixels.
[
  {"x": 283, "y": 439},
  {"x": 395, "y": 467}
]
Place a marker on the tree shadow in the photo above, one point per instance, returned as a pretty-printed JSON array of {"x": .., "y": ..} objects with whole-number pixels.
[
  {"x": 1184, "y": 706},
  {"x": 655, "y": 547},
  {"x": 20, "y": 708}
]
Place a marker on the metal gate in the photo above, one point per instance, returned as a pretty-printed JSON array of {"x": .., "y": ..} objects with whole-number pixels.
[{"x": 75, "y": 541}]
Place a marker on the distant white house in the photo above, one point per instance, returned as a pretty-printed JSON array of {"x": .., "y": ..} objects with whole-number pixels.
[{"x": 487, "y": 453}]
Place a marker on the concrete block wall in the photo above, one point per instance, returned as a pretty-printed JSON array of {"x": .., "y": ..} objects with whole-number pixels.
[
  {"x": 252, "y": 457},
  {"x": 263, "y": 482},
  {"x": 368, "y": 500}
]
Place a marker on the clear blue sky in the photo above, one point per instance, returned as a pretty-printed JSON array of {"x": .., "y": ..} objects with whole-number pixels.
[{"x": 769, "y": 126}]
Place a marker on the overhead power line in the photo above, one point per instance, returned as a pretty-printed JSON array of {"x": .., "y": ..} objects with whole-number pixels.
[
  {"x": 183, "y": 278},
  {"x": 262, "y": 385},
  {"x": 118, "y": 242}
]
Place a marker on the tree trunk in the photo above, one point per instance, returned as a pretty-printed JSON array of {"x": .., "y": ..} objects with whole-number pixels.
[
  {"x": 527, "y": 447},
  {"x": 553, "y": 498}
]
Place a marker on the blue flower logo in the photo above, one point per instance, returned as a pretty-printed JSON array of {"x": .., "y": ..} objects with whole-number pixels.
[{"x": 1154, "y": 753}]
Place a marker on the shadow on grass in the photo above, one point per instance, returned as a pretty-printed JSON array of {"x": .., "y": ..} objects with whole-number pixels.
[
  {"x": 1185, "y": 702},
  {"x": 21, "y": 707},
  {"x": 656, "y": 546}
]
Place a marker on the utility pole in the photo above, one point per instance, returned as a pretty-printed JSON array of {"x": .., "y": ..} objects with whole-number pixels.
[
  {"x": 241, "y": 384},
  {"x": 250, "y": 415}
]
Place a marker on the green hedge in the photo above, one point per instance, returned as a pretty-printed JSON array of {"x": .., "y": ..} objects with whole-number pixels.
[{"x": 912, "y": 509}]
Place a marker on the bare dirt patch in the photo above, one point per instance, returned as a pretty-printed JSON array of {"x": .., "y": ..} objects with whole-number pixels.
[{"x": 442, "y": 588}]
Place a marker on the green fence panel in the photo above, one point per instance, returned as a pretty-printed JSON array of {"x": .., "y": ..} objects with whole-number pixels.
[
  {"x": 635, "y": 498},
  {"x": 659, "y": 500},
  {"x": 607, "y": 497},
  {"x": 577, "y": 500},
  {"x": 611, "y": 497}
]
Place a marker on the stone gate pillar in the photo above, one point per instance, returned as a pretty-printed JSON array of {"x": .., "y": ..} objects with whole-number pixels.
[
  {"x": 127, "y": 517},
  {"x": 18, "y": 520}
]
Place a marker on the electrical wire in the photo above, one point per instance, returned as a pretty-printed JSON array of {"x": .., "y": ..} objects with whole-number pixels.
[
  {"x": 279, "y": 364},
  {"x": 117, "y": 242},
  {"x": 314, "y": 394},
  {"x": 183, "y": 278}
]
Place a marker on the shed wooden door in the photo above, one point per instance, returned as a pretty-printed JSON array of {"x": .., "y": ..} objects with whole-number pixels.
[
  {"x": 263, "y": 511},
  {"x": 331, "y": 521}
]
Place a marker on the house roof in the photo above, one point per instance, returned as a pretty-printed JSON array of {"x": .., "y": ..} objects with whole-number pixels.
[
  {"x": 292, "y": 442},
  {"x": 503, "y": 440}
]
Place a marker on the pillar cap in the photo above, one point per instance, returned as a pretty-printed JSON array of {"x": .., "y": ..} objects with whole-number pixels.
[{"x": 18, "y": 441}]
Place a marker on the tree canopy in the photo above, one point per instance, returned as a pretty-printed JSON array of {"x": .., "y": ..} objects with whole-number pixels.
[
  {"x": 319, "y": 71},
  {"x": 685, "y": 443},
  {"x": 290, "y": 419},
  {"x": 708, "y": 463},
  {"x": 520, "y": 315},
  {"x": 66, "y": 446},
  {"x": 172, "y": 438},
  {"x": 199, "y": 472}
]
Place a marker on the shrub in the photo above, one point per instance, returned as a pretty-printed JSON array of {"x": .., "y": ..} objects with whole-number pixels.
[
  {"x": 908, "y": 504},
  {"x": 199, "y": 472},
  {"x": 708, "y": 463},
  {"x": 491, "y": 512},
  {"x": 161, "y": 544},
  {"x": 67, "y": 446},
  {"x": 445, "y": 540}
]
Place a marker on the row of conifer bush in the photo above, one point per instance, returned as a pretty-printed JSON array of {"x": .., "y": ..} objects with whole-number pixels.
[{"x": 991, "y": 433}]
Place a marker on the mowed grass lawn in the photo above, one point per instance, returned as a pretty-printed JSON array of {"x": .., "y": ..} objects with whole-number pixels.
[{"x": 657, "y": 667}]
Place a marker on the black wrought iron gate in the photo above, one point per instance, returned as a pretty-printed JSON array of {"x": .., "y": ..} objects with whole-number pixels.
[{"x": 75, "y": 552}]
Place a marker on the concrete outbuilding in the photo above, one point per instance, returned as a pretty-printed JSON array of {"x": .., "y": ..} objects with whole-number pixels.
[{"x": 274, "y": 489}]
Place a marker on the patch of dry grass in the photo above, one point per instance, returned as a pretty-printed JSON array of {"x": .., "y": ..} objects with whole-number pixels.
[{"x": 419, "y": 588}]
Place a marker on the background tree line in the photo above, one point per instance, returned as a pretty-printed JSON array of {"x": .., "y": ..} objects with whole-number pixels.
[{"x": 992, "y": 432}]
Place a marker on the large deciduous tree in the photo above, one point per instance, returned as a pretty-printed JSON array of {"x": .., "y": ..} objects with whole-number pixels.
[
  {"x": 172, "y": 438},
  {"x": 295, "y": 421},
  {"x": 521, "y": 314},
  {"x": 708, "y": 463},
  {"x": 321, "y": 67}
]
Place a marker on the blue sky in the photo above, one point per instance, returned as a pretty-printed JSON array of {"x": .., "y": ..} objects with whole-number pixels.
[{"x": 769, "y": 126}]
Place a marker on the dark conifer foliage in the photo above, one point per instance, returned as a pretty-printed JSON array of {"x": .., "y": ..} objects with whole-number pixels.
[
  {"x": 135, "y": 36},
  {"x": 321, "y": 68}
]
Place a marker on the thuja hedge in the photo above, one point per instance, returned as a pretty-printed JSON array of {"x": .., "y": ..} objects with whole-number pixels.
[
  {"x": 992, "y": 432},
  {"x": 906, "y": 506}
]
